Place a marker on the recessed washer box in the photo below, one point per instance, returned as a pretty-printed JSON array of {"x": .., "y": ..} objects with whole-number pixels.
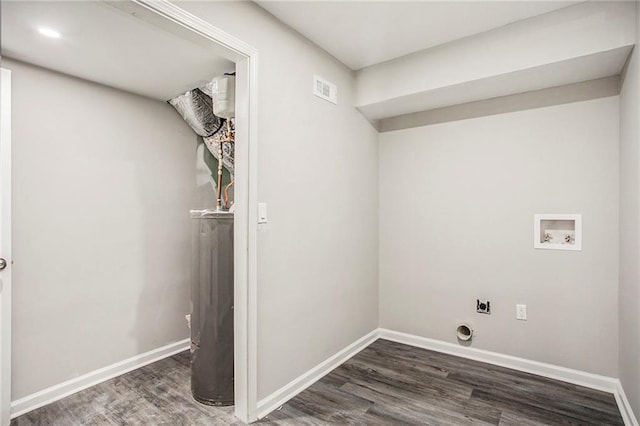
[{"x": 557, "y": 231}]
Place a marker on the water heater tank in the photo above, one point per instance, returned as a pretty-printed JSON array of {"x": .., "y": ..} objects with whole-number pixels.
[
  {"x": 212, "y": 380},
  {"x": 223, "y": 93}
]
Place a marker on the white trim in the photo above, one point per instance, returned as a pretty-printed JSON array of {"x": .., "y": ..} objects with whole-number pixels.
[
  {"x": 5, "y": 248},
  {"x": 175, "y": 13},
  {"x": 64, "y": 389},
  {"x": 577, "y": 377},
  {"x": 251, "y": 238},
  {"x": 623, "y": 405},
  {"x": 285, "y": 393},
  {"x": 246, "y": 197}
]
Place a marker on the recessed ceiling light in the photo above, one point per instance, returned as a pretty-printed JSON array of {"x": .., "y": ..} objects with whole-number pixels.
[{"x": 48, "y": 32}]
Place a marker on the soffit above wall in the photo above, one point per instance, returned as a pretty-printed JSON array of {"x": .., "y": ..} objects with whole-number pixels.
[
  {"x": 583, "y": 42},
  {"x": 586, "y": 68},
  {"x": 104, "y": 44},
  {"x": 364, "y": 33},
  {"x": 576, "y": 92}
]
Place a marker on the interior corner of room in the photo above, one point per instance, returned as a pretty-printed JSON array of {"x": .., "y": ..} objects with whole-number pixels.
[{"x": 472, "y": 190}]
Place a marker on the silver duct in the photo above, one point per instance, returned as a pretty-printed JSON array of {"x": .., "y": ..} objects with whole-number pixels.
[{"x": 196, "y": 108}]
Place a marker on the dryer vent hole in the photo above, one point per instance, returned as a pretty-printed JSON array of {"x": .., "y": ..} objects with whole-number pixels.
[{"x": 464, "y": 332}]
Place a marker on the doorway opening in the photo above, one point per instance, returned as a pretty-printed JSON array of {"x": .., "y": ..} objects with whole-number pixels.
[{"x": 171, "y": 19}]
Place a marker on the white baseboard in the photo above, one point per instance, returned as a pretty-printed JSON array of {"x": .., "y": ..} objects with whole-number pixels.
[
  {"x": 59, "y": 391},
  {"x": 284, "y": 394},
  {"x": 288, "y": 391},
  {"x": 625, "y": 408},
  {"x": 594, "y": 381},
  {"x": 577, "y": 377}
]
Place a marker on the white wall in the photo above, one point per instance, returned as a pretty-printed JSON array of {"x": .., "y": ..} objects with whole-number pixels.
[
  {"x": 102, "y": 185},
  {"x": 457, "y": 202},
  {"x": 630, "y": 229},
  {"x": 318, "y": 168}
]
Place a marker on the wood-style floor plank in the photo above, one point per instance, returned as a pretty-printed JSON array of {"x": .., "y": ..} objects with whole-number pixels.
[{"x": 385, "y": 384}]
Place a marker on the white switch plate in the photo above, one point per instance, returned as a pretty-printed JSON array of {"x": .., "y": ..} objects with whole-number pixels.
[
  {"x": 262, "y": 212},
  {"x": 521, "y": 312}
]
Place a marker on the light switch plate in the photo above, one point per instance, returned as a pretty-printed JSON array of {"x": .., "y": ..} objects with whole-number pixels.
[
  {"x": 521, "y": 312},
  {"x": 262, "y": 212}
]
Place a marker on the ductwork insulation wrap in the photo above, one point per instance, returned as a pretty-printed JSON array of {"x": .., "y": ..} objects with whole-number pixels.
[{"x": 196, "y": 107}]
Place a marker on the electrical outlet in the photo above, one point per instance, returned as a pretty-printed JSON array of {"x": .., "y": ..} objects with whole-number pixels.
[
  {"x": 483, "y": 307},
  {"x": 521, "y": 312}
]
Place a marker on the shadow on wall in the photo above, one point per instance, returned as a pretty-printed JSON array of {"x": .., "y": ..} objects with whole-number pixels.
[{"x": 165, "y": 227}]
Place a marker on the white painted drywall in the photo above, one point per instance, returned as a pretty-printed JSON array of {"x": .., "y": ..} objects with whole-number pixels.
[
  {"x": 630, "y": 229},
  {"x": 318, "y": 164},
  {"x": 576, "y": 92},
  {"x": 457, "y": 202},
  {"x": 102, "y": 185},
  {"x": 587, "y": 41}
]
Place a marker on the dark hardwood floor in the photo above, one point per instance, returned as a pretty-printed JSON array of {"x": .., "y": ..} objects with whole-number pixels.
[
  {"x": 391, "y": 383},
  {"x": 157, "y": 394},
  {"x": 387, "y": 383}
]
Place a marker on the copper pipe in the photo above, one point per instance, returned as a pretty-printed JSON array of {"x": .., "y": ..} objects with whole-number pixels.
[
  {"x": 226, "y": 194},
  {"x": 229, "y": 137},
  {"x": 219, "y": 185}
]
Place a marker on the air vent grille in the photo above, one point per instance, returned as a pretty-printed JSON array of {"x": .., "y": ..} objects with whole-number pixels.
[{"x": 325, "y": 89}]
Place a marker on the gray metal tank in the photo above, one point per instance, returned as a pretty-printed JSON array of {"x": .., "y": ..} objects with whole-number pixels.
[{"x": 212, "y": 307}]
